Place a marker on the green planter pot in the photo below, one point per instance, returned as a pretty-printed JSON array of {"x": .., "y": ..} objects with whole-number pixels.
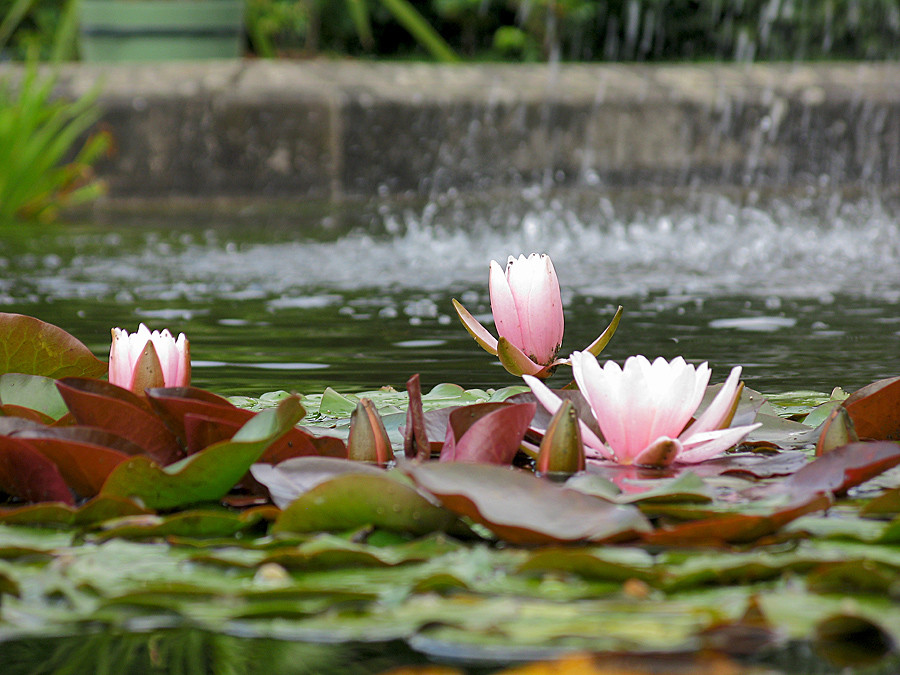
[{"x": 161, "y": 30}]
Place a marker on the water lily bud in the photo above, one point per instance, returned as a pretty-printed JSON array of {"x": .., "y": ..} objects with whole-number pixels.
[
  {"x": 368, "y": 441},
  {"x": 562, "y": 450},
  {"x": 527, "y": 307},
  {"x": 143, "y": 360}
]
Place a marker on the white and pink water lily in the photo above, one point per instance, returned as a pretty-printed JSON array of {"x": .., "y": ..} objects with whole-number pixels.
[
  {"x": 646, "y": 410},
  {"x": 146, "y": 359},
  {"x": 528, "y": 313}
]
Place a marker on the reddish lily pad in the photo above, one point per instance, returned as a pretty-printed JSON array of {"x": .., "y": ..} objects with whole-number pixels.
[
  {"x": 415, "y": 435},
  {"x": 357, "y": 500},
  {"x": 106, "y": 406},
  {"x": 207, "y": 475},
  {"x": 27, "y": 474},
  {"x": 875, "y": 410},
  {"x": 26, "y": 413},
  {"x": 85, "y": 457},
  {"x": 33, "y": 347},
  {"x": 841, "y": 469},
  {"x": 487, "y": 432},
  {"x": 522, "y": 508},
  {"x": 735, "y": 528},
  {"x": 173, "y": 403}
]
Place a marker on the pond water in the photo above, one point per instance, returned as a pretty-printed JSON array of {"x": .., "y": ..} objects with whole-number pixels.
[{"x": 802, "y": 289}]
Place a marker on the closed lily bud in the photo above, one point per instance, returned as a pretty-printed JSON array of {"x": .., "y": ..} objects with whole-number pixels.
[
  {"x": 142, "y": 360},
  {"x": 527, "y": 307},
  {"x": 368, "y": 441},
  {"x": 562, "y": 450}
]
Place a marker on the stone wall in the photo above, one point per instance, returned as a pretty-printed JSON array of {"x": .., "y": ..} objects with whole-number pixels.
[{"x": 332, "y": 129}]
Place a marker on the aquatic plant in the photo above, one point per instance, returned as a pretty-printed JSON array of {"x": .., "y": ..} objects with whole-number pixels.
[
  {"x": 38, "y": 133},
  {"x": 142, "y": 360},
  {"x": 645, "y": 410},
  {"x": 527, "y": 309}
]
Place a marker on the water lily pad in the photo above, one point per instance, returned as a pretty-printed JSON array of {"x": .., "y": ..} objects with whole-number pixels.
[
  {"x": 106, "y": 406},
  {"x": 355, "y": 500},
  {"x": 293, "y": 477},
  {"x": 33, "y": 347},
  {"x": 207, "y": 475},
  {"x": 32, "y": 391},
  {"x": 27, "y": 474},
  {"x": 94, "y": 511},
  {"x": 486, "y": 432},
  {"x": 523, "y": 509},
  {"x": 875, "y": 410}
]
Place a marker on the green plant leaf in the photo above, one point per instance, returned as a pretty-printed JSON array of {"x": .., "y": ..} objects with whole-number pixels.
[
  {"x": 357, "y": 500},
  {"x": 33, "y": 347},
  {"x": 34, "y": 392},
  {"x": 207, "y": 475}
]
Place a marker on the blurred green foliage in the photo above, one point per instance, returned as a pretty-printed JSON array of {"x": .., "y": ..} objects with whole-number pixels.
[
  {"x": 42, "y": 168},
  {"x": 591, "y": 30},
  {"x": 535, "y": 30}
]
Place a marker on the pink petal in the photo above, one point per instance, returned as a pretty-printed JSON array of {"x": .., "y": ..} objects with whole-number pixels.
[
  {"x": 701, "y": 447},
  {"x": 552, "y": 402},
  {"x": 503, "y": 306},
  {"x": 721, "y": 405},
  {"x": 602, "y": 387},
  {"x": 120, "y": 370},
  {"x": 535, "y": 289}
]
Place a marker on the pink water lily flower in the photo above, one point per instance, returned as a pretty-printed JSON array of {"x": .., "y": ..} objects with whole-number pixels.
[
  {"x": 142, "y": 360},
  {"x": 646, "y": 410},
  {"x": 528, "y": 313}
]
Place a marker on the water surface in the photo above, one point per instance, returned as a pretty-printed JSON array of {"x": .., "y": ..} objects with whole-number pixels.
[{"x": 803, "y": 290}]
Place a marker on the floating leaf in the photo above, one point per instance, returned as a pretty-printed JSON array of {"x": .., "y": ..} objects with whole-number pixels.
[
  {"x": 106, "y": 406},
  {"x": 291, "y": 478},
  {"x": 875, "y": 410},
  {"x": 30, "y": 346},
  {"x": 735, "y": 528},
  {"x": 523, "y": 509},
  {"x": 486, "y": 432},
  {"x": 357, "y": 500},
  {"x": 841, "y": 469},
  {"x": 32, "y": 391},
  {"x": 207, "y": 475},
  {"x": 197, "y": 524},
  {"x": 91, "y": 512}
]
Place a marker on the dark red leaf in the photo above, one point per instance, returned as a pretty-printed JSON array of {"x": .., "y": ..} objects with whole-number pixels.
[
  {"x": 842, "y": 468},
  {"x": 486, "y": 433},
  {"x": 173, "y": 403},
  {"x": 101, "y": 404},
  {"x": 875, "y": 410},
  {"x": 11, "y": 410},
  {"x": 27, "y": 474},
  {"x": 83, "y": 457}
]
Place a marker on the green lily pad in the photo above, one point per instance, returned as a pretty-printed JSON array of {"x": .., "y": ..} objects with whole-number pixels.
[
  {"x": 32, "y": 391},
  {"x": 33, "y": 347},
  {"x": 355, "y": 500}
]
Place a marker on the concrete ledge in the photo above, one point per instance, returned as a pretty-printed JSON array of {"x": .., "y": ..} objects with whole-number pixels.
[{"x": 333, "y": 129}]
